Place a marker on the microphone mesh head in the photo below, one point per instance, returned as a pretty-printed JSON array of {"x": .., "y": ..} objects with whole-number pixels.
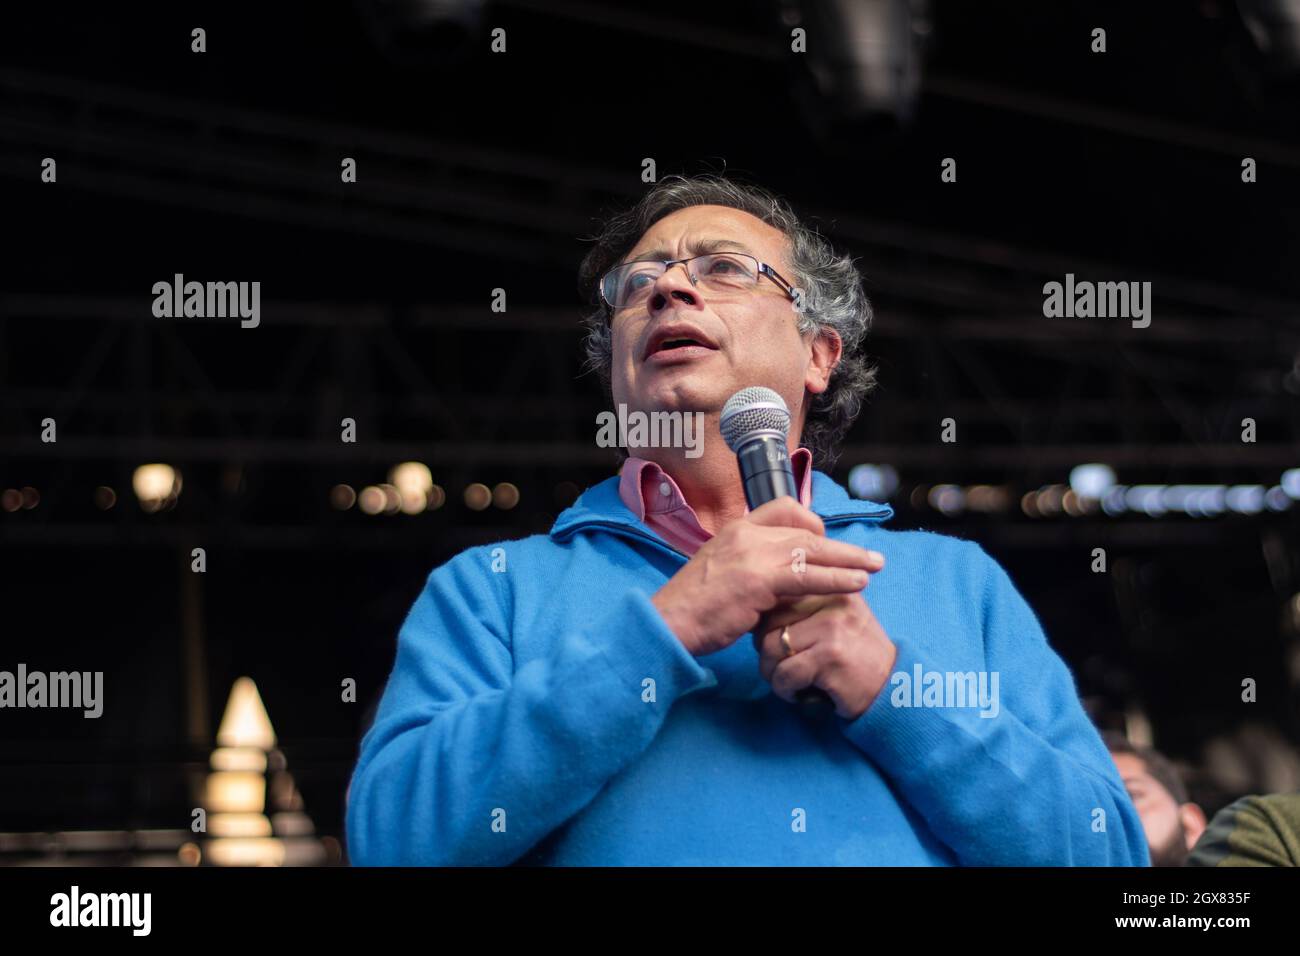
[{"x": 750, "y": 410}]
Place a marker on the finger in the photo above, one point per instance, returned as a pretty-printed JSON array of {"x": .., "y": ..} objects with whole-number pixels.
[
  {"x": 790, "y": 613},
  {"x": 792, "y": 675},
  {"x": 785, "y": 512},
  {"x": 771, "y": 650},
  {"x": 827, "y": 552},
  {"x": 819, "y": 580}
]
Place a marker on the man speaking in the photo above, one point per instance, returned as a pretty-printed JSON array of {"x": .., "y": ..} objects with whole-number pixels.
[{"x": 626, "y": 690}]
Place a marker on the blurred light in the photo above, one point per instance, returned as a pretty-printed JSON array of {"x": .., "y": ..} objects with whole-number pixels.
[
  {"x": 235, "y": 791},
  {"x": 1050, "y": 498},
  {"x": 1147, "y": 499},
  {"x": 987, "y": 498},
  {"x": 157, "y": 486},
  {"x": 342, "y": 497},
  {"x": 239, "y": 758},
  {"x": 873, "y": 482},
  {"x": 411, "y": 475},
  {"x": 477, "y": 496},
  {"x": 105, "y": 497},
  {"x": 189, "y": 854},
  {"x": 1276, "y": 499},
  {"x": 1112, "y": 502},
  {"x": 1070, "y": 502},
  {"x": 505, "y": 496},
  {"x": 372, "y": 500},
  {"x": 947, "y": 499},
  {"x": 245, "y": 722},
  {"x": 413, "y": 482},
  {"x": 1091, "y": 480},
  {"x": 1290, "y": 482},
  {"x": 11, "y": 500},
  {"x": 253, "y": 824},
  {"x": 437, "y": 498},
  {"x": 918, "y": 497},
  {"x": 1029, "y": 504},
  {"x": 246, "y": 851},
  {"x": 414, "y": 502},
  {"x": 392, "y": 498},
  {"x": 31, "y": 498},
  {"x": 1245, "y": 499}
]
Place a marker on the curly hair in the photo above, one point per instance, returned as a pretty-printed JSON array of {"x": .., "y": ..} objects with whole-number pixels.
[{"x": 832, "y": 297}]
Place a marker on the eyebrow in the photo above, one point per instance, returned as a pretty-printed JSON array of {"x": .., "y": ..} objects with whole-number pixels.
[{"x": 700, "y": 247}]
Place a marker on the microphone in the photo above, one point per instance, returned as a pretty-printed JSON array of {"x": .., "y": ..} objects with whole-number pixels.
[{"x": 755, "y": 424}]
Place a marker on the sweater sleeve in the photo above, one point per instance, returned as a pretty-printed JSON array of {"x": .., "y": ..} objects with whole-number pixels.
[
  {"x": 471, "y": 761},
  {"x": 1031, "y": 783}
]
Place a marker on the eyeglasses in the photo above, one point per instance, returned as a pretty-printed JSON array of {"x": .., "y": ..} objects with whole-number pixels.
[{"x": 630, "y": 284}]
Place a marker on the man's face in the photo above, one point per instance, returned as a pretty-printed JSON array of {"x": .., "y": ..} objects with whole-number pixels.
[
  {"x": 1160, "y": 813},
  {"x": 748, "y": 338}
]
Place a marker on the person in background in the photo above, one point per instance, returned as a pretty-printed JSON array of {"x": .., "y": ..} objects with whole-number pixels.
[
  {"x": 1253, "y": 831},
  {"x": 1173, "y": 823}
]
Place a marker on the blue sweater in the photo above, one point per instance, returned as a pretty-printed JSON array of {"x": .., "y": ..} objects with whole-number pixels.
[{"x": 540, "y": 711}]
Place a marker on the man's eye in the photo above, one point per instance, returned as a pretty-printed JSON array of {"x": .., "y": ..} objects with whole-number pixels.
[
  {"x": 727, "y": 267},
  {"x": 637, "y": 281}
]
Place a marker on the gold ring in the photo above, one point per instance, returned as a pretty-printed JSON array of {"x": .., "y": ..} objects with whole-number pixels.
[{"x": 785, "y": 642}]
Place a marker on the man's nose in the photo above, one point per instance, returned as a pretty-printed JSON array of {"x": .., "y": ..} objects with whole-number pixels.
[{"x": 673, "y": 286}]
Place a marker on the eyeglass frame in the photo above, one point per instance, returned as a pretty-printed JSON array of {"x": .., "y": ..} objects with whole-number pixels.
[{"x": 763, "y": 270}]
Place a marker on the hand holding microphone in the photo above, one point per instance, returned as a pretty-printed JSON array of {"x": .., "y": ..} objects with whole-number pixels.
[{"x": 755, "y": 425}]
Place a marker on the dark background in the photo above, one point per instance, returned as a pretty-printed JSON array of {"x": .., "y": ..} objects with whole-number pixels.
[{"x": 479, "y": 171}]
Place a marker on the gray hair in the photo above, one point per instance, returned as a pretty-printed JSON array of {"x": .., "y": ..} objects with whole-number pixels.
[{"x": 830, "y": 285}]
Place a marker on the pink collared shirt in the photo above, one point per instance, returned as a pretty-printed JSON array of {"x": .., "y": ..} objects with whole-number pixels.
[{"x": 651, "y": 494}]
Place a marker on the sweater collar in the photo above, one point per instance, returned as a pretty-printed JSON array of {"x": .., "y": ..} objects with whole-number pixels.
[{"x": 600, "y": 505}]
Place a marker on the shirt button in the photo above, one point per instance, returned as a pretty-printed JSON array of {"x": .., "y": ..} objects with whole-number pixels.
[{"x": 664, "y": 489}]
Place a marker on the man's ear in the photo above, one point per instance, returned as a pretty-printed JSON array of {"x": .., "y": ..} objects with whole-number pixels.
[
  {"x": 826, "y": 352},
  {"x": 1194, "y": 822}
]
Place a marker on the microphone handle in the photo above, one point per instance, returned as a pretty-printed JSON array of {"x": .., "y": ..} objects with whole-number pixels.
[{"x": 766, "y": 474}]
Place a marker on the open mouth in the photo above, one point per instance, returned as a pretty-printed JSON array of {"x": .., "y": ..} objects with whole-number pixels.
[
  {"x": 683, "y": 340},
  {"x": 678, "y": 344}
]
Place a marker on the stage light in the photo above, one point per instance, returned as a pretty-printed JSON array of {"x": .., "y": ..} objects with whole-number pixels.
[
  {"x": 413, "y": 481},
  {"x": 1245, "y": 499},
  {"x": 437, "y": 498},
  {"x": 505, "y": 496},
  {"x": 371, "y": 500},
  {"x": 477, "y": 496},
  {"x": 1050, "y": 498},
  {"x": 105, "y": 497},
  {"x": 1029, "y": 504},
  {"x": 1070, "y": 502},
  {"x": 11, "y": 500},
  {"x": 1113, "y": 501},
  {"x": 873, "y": 482},
  {"x": 392, "y": 498},
  {"x": 245, "y": 722},
  {"x": 1290, "y": 482},
  {"x": 1276, "y": 499},
  {"x": 342, "y": 497},
  {"x": 947, "y": 499},
  {"x": 1147, "y": 499},
  {"x": 156, "y": 486},
  {"x": 1091, "y": 480},
  {"x": 189, "y": 854}
]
